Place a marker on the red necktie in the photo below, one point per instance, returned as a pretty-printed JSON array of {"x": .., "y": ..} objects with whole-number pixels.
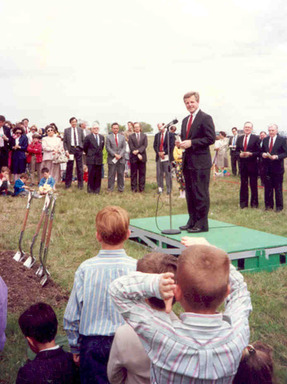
[
  {"x": 245, "y": 143},
  {"x": 271, "y": 145},
  {"x": 161, "y": 143},
  {"x": 188, "y": 126},
  {"x": 116, "y": 140}
]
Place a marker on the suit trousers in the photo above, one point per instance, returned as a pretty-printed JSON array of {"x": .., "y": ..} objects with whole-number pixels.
[
  {"x": 163, "y": 168},
  {"x": 197, "y": 196},
  {"x": 94, "y": 178},
  {"x": 251, "y": 177},
  {"x": 113, "y": 170},
  {"x": 94, "y": 356},
  {"x": 138, "y": 172},
  {"x": 273, "y": 182},
  {"x": 78, "y": 153},
  {"x": 234, "y": 159}
]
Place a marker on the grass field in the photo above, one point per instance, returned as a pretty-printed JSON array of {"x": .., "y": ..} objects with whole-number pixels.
[{"x": 73, "y": 241}]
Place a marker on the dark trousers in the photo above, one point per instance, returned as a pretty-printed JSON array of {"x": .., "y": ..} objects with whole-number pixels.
[
  {"x": 3, "y": 157},
  {"x": 94, "y": 356},
  {"x": 138, "y": 172},
  {"x": 197, "y": 196},
  {"x": 78, "y": 153},
  {"x": 251, "y": 178},
  {"x": 273, "y": 182},
  {"x": 234, "y": 159},
  {"x": 94, "y": 178}
]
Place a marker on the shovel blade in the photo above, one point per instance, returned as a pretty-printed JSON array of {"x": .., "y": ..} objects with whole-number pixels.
[
  {"x": 17, "y": 256},
  {"x": 29, "y": 262},
  {"x": 40, "y": 271},
  {"x": 44, "y": 280}
]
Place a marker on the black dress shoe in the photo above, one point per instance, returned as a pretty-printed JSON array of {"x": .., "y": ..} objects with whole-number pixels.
[
  {"x": 186, "y": 227},
  {"x": 197, "y": 230}
]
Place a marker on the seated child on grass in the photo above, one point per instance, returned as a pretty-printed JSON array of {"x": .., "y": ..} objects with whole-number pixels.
[
  {"x": 20, "y": 187},
  {"x": 91, "y": 319},
  {"x": 51, "y": 364},
  {"x": 47, "y": 183},
  {"x": 4, "y": 182},
  {"x": 203, "y": 345},
  {"x": 256, "y": 365},
  {"x": 128, "y": 361}
]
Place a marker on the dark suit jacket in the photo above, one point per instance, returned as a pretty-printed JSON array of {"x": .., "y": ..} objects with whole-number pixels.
[
  {"x": 279, "y": 149},
  {"x": 19, "y": 154},
  {"x": 67, "y": 138},
  {"x": 249, "y": 163},
  {"x": 94, "y": 151},
  {"x": 156, "y": 145},
  {"x": 202, "y": 135},
  {"x": 140, "y": 146},
  {"x": 54, "y": 367}
]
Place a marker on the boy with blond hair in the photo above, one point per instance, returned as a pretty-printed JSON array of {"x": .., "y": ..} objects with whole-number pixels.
[
  {"x": 203, "y": 345},
  {"x": 91, "y": 319}
]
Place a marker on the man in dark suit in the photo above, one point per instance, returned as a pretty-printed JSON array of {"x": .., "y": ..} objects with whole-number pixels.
[
  {"x": 162, "y": 145},
  {"x": 93, "y": 147},
  {"x": 116, "y": 148},
  {"x": 73, "y": 145},
  {"x": 4, "y": 142},
  {"x": 197, "y": 134},
  {"x": 138, "y": 144},
  {"x": 234, "y": 158},
  {"x": 274, "y": 150},
  {"x": 248, "y": 149}
]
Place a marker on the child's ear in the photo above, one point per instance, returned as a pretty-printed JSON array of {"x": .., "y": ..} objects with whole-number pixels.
[
  {"x": 128, "y": 233},
  {"x": 228, "y": 290},
  {"x": 32, "y": 344},
  {"x": 178, "y": 293},
  {"x": 99, "y": 237}
]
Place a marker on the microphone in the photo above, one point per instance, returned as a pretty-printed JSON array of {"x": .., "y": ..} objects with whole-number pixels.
[{"x": 175, "y": 121}]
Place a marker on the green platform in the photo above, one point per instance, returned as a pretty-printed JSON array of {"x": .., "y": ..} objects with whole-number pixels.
[{"x": 249, "y": 250}]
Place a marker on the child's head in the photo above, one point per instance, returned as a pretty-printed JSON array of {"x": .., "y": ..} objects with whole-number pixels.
[
  {"x": 112, "y": 224},
  {"x": 24, "y": 177},
  {"x": 85, "y": 168},
  {"x": 202, "y": 278},
  {"x": 5, "y": 171},
  {"x": 156, "y": 262},
  {"x": 39, "y": 324},
  {"x": 256, "y": 366},
  {"x": 45, "y": 172},
  {"x": 36, "y": 137}
]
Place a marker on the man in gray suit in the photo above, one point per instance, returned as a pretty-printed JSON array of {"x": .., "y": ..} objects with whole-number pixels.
[
  {"x": 116, "y": 147},
  {"x": 73, "y": 145}
]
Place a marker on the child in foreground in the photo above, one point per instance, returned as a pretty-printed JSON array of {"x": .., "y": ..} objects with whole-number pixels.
[
  {"x": 4, "y": 182},
  {"x": 20, "y": 187},
  {"x": 256, "y": 365},
  {"x": 203, "y": 345},
  {"x": 47, "y": 183},
  {"x": 91, "y": 319},
  {"x": 51, "y": 364},
  {"x": 128, "y": 361}
]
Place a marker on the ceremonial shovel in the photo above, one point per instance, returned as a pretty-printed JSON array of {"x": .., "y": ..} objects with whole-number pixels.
[
  {"x": 31, "y": 259},
  {"x": 44, "y": 262},
  {"x": 20, "y": 254}
]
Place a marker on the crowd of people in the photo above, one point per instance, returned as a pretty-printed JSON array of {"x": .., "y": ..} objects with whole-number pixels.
[{"x": 121, "y": 327}]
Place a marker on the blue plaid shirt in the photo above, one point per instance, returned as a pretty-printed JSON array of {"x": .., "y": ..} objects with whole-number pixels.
[{"x": 195, "y": 349}]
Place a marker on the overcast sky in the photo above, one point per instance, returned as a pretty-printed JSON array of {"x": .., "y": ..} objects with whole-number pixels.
[{"x": 120, "y": 60}]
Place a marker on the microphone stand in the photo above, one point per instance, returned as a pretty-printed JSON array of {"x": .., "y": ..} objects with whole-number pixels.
[{"x": 169, "y": 231}]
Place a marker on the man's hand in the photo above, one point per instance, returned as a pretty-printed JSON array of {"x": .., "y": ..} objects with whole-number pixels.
[
  {"x": 76, "y": 358},
  {"x": 265, "y": 155},
  {"x": 185, "y": 144},
  {"x": 136, "y": 151},
  {"x": 166, "y": 289},
  {"x": 117, "y": 156}
]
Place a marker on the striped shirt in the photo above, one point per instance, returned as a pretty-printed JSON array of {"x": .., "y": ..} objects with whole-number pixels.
[
  {"x": 196, "y": 348},
  {"x": 90, "y": 310}
]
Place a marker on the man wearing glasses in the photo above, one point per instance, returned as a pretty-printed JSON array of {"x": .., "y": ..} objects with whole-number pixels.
[{"x": 73, "y": 145}]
